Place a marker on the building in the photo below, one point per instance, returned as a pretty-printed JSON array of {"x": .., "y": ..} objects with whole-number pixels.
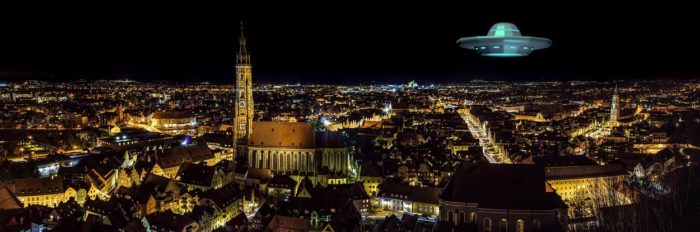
[
  {"x": 530, "y": 116},
  {"x": 403, "y": 198},
  {"x": 38, "y": 191},
  {"x": 244, "y": 93},
  {"x": 174, "y": 122},
  {"x": 292, "y": 148},
  {"x": 281, "y": 186},
  {"x": 287, "y": 224},
  {"x": 8, "y": 200},
  {"x": 371, "y": 176},
  {"x": 169, "y": 221},
  {"x": 585, "y": 186},
  {"x": 167, "y": 163},
  {"x": 493, "y": 197},
  {"x": 295, "y": 148},
  {"x": 570, "y": 180},
  {"x": 615, "y": 109}
]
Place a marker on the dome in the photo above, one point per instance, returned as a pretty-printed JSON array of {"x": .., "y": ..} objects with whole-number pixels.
[{"x": 504, "y": 30}]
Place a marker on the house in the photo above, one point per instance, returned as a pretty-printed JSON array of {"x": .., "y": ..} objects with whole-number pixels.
[
  {"x": 287, "y": 224},
  {"x": 409, "y": 199},
  {"x": 281, "y": 186},
  {"x": 201, "y": 176},
  {"x": 38, "y": 191},
  {"x": 168, "y": 221},
  {"x": 168, "y": 162},
  {"x": 227, "y": 199}
]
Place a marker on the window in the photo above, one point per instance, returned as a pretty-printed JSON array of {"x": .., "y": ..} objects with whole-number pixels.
[
  {"x": 520, "y": 226},
  {"x": 487, "y": 224},
  {"x": 504, "y": 225},
  {"x": 472, "y": 217},
  {"x": 462, "y": 217},
  {"x": 450, "y": 216},
  {"x": 536, "y": 227}
]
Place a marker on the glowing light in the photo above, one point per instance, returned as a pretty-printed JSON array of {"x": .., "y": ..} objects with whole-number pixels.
[
  {"x": 185, "y": 141},
  {"x": 325, "y": 122},
  {"x": 503, "y": 54}
]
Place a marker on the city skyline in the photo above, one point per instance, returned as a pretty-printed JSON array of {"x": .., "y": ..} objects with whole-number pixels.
[{"x": 142, "y": 128}]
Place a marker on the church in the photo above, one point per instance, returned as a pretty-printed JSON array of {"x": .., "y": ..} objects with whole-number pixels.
[{"x": 292, "y": 148}]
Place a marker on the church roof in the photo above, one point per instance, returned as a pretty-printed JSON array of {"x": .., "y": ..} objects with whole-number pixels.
[
  {"x": 282, "y": 134},
  {"x": 513, "y": 186},
  {"x": 584, "y": 171},
  {"x": 330, "y": 140},
  {"x": 8, "y": 199}
]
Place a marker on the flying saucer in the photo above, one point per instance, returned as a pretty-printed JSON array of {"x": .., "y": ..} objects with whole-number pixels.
[{"x": 504, "y": 40}]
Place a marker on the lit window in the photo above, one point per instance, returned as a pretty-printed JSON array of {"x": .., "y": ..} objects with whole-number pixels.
[
  {"x": 487, "y": 224},
  {"x": 520, "y": 226}
]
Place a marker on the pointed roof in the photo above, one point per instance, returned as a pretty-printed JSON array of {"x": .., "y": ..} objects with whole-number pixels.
[
  {"x": 8, "y": 200},
  {"x": 243, "y": 57}
]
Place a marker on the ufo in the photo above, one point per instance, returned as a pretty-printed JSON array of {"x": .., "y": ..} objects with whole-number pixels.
[{"x": 504, "y": 40}]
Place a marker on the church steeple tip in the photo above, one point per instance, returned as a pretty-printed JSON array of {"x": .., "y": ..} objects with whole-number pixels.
[{"x": 243, "y": 57}]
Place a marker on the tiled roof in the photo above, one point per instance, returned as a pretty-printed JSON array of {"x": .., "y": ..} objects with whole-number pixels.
[{"x": 282, "y": 134}]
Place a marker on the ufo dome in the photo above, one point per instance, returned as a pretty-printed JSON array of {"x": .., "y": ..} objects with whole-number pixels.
[
  {"x": 504, "y": 30},
  {"x": 504, "y": 40}
]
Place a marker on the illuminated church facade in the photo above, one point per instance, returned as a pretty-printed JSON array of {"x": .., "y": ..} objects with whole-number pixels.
[{"x": 292, "y": 148}]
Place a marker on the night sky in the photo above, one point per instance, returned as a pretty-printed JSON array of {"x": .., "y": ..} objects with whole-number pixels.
[{"x": 343, "y": 44}]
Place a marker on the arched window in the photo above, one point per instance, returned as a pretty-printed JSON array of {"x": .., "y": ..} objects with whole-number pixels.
[
  {"x": 487, "y": 224},
  {"x": 520, "y": 226},
  {"x": 504, "y": 225},
  {"x": 456, "y": 220},
  {"x": 462, "y": 217},
  {"x": 450, "y": 216},
  {"x": 472, "y": 217},
  {"x": 536, "y": 227}
]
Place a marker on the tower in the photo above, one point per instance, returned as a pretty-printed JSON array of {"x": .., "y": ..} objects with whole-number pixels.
[
  {"x": 243, "y": 109},
  {"x": 614, "y": 108}
]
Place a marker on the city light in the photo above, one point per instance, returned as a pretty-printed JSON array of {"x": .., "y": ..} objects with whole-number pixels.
[{"x": 201, "y": 130}]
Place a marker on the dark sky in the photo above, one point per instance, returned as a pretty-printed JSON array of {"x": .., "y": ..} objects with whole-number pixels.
[{"x": 343, "y": 43}]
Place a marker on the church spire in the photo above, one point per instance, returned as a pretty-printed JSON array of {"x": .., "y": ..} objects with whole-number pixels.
[{"x": 243, "y": 57}]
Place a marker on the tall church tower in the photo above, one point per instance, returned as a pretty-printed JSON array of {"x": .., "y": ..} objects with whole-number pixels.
[
  {"x": 244, "y": 94},
  {"x": 614, "y": 108}
]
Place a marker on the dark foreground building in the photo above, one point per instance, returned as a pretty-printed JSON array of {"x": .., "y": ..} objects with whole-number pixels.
[{"x": 492, "y": 197}]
